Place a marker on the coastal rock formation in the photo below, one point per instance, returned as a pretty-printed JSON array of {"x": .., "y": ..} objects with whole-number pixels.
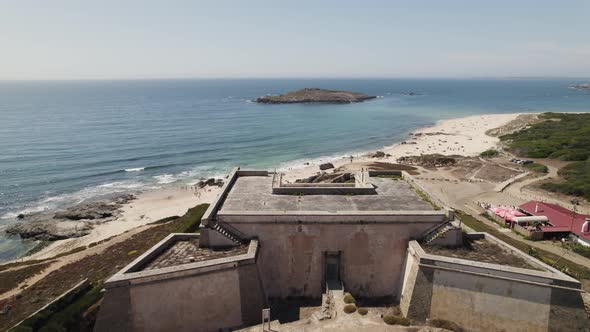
[
  {"x": 72, "y": 222},
  {"x": 50, "y": 230},
  {"x": 584, "y": 86},
  {"x": 210, "y": 182},
  {"x": 326, "y": 166},
  {"x": 314, "y": 95},
  {"x": 377, "y": 154}
]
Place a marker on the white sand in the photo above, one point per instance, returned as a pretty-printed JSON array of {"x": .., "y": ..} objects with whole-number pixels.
[{"x": 463, "y": 136}]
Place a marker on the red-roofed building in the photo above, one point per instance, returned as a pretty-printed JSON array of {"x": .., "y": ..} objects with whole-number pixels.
[{"x": 560, "y": 218}]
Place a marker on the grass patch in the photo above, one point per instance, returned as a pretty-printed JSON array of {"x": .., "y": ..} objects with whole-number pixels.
[
  {"x": 396, "y": 320},
  {"x": 566, "y": 266},
  {"x": 426, "y": 198},
  {"x": 390, "y": 176},
  {"x": 191, "y": 220},
  {"x": 10, "y": 279},
  {"x": 445, "y": 324},
  {"x": 489, "y": 153},
  {"x": 577, "y": 180},
  {"x": 537, "y": 167}
]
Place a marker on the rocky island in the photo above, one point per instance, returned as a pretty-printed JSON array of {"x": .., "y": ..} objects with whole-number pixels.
[
  {"x": 584, "y": 86},
  {"x": 314, "y": 95}
]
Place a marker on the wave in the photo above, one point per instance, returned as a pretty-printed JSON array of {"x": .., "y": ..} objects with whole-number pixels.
[{"x": 138, "y": 169}]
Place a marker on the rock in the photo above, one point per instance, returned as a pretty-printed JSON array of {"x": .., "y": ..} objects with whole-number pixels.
[
  {"x": 20, "y": 216},
  {"x": 212, "y": 182},
  {"x": 50, "y": 230},
  {"x": 378, "y": 154},
  {"x": 96, "y": 210},
  {"x": 326, "y": 166},
  {"x": 315, "y": 95},
  {"x": 585, "y": 86}
]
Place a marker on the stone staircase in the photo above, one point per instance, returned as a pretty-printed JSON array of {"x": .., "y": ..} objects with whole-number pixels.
[
  {"x": 437, "y": 233},
  {"x": 227, "y": 233}
]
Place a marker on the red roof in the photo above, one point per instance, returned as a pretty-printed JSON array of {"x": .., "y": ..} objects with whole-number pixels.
[{"x": 558, "y": 216}]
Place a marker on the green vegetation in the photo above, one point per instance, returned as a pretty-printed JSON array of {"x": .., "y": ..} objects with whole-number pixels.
[
  {"x": 426, "y": 198},
  {"x": 65, "y": 314},
  {"x": 560, "y": 136},
  {"x": 350, "y": 308},
  {"x": 566, "y": 266},
  {"x": 363, "y": 311},
  {"x": 396, "y": 320},
  {"x": 390, "y": 176},
  {"x": 489, "y": 153},
  {"x": 10, "y": 279},
  {"x": 577, "y": 180},
  {"x": 445, "y": 324},
  {"x": 537, "y": 167},
  {"x": 191, "y": 220},
  {"x": 348, "y": 298},
  {"x": 81, "y": 308}
]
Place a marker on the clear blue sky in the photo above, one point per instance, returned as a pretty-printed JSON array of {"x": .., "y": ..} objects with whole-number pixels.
[{"x": 120, "y": 39}]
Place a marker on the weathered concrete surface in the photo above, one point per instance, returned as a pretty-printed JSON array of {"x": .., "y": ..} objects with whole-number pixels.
[
  {"x": 292, "y": 256},
  {"x": 254, "y": 193},
  {"x": 490, "y": 297},
  {"x": 201, "y": 296}
]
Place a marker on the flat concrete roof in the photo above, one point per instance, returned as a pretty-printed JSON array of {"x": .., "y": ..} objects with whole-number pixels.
[{"x": 254, "y": 193}]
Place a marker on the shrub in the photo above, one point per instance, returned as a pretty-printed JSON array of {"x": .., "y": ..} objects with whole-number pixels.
[
  {"x": 489, "y": 153},
  {"x": 348, "y": 298},
  {"x": 537, "y": 167},
  {"x": 363, "y": 311},
  {"x": 396, "y": 320},
  {"x": 350, "y": 308},
  {"x": 445, "y": 324}
]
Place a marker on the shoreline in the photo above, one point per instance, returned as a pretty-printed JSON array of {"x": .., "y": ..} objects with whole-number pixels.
[{"x": 464, "y": 136}]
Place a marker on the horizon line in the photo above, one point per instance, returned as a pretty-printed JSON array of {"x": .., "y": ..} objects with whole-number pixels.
[{"x": 301, "y": 78}]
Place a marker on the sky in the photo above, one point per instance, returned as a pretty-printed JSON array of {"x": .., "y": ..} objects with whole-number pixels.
[{"x": 146, "y": 39}]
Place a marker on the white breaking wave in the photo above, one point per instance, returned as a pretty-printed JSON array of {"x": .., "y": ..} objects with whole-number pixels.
[{"x": 138, "y": 169}]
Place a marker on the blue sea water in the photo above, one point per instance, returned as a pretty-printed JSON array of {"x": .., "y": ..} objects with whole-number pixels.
[{"x": 65, "y": 142}]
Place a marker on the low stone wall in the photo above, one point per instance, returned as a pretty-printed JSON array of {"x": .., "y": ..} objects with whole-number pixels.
[
  {"x": 533, "y": 235},
  {"x": 222, "y": 293},
  {"x": 490, "y": 297},
  {"x": 357, "y": 188}
]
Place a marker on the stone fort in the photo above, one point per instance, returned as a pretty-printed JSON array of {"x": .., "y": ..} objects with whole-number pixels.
[{"x": 264, "y": 240}]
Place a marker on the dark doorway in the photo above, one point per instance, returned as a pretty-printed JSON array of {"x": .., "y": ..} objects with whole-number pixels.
[{"x": 332, "y": 267}]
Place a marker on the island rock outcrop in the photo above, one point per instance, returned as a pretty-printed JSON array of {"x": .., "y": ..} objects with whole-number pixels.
[{"x": 314, "y": 95}]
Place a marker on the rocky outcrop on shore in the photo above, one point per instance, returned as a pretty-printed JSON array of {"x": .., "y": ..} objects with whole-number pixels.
[
  {"x": 75, "y": 221},
  {"x": 314, "y": 95}
]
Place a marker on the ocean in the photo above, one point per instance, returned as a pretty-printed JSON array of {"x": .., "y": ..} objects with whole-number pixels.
[{"x": 64, "y": 142}]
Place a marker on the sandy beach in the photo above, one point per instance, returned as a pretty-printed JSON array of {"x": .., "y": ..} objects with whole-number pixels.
[{"x": 463, "y": 136}]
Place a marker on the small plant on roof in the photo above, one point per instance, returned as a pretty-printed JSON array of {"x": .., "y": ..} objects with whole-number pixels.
[
  {"x": 396, "y": 320},
  {"x": 348, "y": 298},
  {"x": 350, "y": 308},
  {"x": 444, "y": 324}
]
